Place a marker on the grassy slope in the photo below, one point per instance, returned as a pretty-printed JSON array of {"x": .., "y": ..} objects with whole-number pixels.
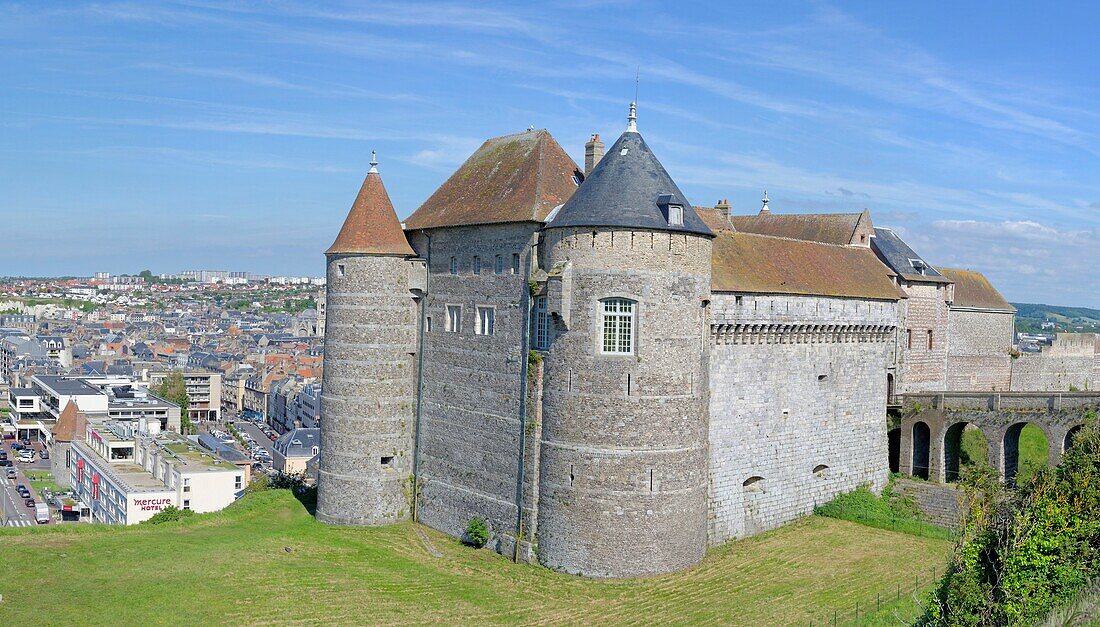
[{"x": 232, "y": 567}]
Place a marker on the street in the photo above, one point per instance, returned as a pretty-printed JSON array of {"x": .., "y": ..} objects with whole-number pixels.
[{"x": 13, "y": 511}]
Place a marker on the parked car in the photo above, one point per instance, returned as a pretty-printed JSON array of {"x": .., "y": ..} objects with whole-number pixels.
[
  {"x": 20, "y": 487},
  {"x": 44, "y": 454},
  {"x": 5, "y": 462},
  {"x": 15, "y": 446},
  {"x": 11, "y": 473},
  {"x": 29, "y": 502},
  {"x": 3, "y": 454},
  {"x": 26, "y": 442}
]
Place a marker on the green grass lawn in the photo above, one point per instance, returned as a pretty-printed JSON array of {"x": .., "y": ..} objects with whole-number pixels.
[
  {"x": 43, "y": 479},
  {"x": 233, "y": 567}
]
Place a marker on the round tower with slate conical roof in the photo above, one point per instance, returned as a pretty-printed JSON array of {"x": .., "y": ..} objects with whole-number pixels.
[
  {"x": 368, "y": 387},
  {"x": 623, "y": 471}
]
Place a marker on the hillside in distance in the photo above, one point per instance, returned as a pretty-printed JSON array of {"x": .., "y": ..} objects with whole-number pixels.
[{"x": 1030, "y": 318}]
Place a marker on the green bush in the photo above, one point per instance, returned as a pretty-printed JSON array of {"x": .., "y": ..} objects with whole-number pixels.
[
  {"x": 169, "y": 514},
  {"x": 1023, "y": 552},
  {"x": 477, "y": 532}
]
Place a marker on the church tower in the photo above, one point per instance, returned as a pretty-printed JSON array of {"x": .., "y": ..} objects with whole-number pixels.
[
  {"x": 368, "y": 387},
  {"x": 623, "y": 470}
]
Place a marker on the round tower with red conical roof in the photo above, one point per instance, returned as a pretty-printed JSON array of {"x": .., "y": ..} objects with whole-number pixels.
[{"x": 368, "y": 387}]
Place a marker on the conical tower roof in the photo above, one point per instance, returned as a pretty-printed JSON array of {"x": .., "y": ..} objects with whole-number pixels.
[
  {"x": 372, "y": 226},
  {"x": 70, "y": 424},
  {"x": 629, "y": 188}
]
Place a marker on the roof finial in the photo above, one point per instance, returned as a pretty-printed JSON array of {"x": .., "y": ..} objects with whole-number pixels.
[
  {"x": 373, "y": 162},
  {"x": 765, "y": 209},
  {"x": 632, "y": 119}
]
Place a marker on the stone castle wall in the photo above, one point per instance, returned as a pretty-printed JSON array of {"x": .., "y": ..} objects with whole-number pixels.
[
  {"x": 1072, "y": 361},
  {"x": 921, "y": 368},
  {"x": 368, "y": 390},
  {"x": 978, "y": 353},
  {"x": 471, "y": 426},
  {"x": 797, "y": 408},
  {"x": 622, "y": 481}
]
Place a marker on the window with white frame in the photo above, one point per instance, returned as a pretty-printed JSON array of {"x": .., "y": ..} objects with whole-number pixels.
[
  {"x": 542, "y": 324},
  {"x": 675, "y": 215},
  {"x": 618, "y": 326},
  {"x": 454, "y": 318},
  {"x": 486, "y": 321},
  {"x": 477, "y": 264},
  {"x": 498, "y": 265},
  {"x": 238, "y": 482}
]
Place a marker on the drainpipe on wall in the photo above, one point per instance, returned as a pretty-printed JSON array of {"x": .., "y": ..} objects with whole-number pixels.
[
  {"x": 525, "y": 340},
  {"x": 420, "y": 381}
]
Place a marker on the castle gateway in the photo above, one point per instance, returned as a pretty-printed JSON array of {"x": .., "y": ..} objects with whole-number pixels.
[{"x": 612, "y": 377}]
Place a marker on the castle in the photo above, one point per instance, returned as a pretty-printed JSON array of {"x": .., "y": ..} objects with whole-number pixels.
[{"x": 613, "y": 378}]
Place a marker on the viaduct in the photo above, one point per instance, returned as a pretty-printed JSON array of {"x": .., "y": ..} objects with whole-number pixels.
[{"x": 927, "y": 443}]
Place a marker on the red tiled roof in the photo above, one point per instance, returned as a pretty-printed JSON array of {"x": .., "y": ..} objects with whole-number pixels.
[
  {"x": 828, "y": 228},
  {"x": 70, "y": 424},
  {"x": 371, "y": 226},
  {"x": 514, "y": 178},
  {"x": 972, "y": 289},
  {"x": 745, "y": 262}
]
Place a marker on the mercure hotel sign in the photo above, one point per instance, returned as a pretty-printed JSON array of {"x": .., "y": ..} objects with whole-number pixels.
[{"x": 146, "y": 505}]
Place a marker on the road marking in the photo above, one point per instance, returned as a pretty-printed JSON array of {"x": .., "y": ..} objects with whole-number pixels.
[{"x": 19, "y": 523}]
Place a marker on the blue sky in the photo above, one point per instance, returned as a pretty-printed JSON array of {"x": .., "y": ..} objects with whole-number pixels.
[{"x": 235, "y": 136}]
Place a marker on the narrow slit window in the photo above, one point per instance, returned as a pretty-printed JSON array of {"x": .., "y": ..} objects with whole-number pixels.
[
  {"x": 542, "y": 324},
  {"x": 929, "y": 339},
  {"x": 477, "y": 264},
  {"x": 498, "y": 265},
  {"x": 340, "y": 269},
  {"x": 454, "y": 265}
]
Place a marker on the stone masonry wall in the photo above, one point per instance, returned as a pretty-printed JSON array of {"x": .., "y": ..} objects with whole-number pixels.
[
  {"x": 1072, "y": 361},
  {"x": 469, "y": 447},
  {"x": 367, "y": 397},
  {"x": 797, "y": 416},
  {"x": 940, "y": 503},
  {"x": 978, "y": 350},
  {"x": 921, "y": 368},
  {"x": 622, "y": 482}
]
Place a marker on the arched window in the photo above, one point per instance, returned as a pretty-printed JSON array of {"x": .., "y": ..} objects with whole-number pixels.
[
  {"x": 618, "y": 326},
  {"x": 819, "y": 470}
]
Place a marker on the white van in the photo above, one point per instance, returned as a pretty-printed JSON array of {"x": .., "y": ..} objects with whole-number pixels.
[{"x": 41, "y": 513}]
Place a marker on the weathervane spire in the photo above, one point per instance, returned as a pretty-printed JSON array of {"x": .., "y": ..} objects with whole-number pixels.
[
  {"x": 764, "y": 200},
  {"x": 632, "y": 119},
  {"x": 373, "y": 162}
]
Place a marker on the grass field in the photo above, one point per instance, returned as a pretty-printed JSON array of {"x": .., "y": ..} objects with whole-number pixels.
[
  {"x": 43, "y": 479},
  {"x": 233, "y": 567}
]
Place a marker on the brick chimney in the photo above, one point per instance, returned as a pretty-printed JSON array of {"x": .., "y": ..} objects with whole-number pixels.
[
  {"x": 723, "y": 207},
  {"x": 593, "y": 152}
]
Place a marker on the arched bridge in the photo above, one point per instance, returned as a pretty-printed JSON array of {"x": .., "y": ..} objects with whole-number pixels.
[{"x": 932, "y": 425}]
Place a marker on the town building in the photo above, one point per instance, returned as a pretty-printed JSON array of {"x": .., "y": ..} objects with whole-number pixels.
[
  {"x": 204, "y": 392},
  {"x": 292, "y": 450},
  {"x": 126, "y": 472}
]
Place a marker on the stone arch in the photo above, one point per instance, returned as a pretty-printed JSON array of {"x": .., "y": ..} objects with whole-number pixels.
[
  {"x": 962, "y": 447},
  {"x": 1010, "y": 449},
  {"x": 922, "y": 439},
  {"x": 1070, "y": 435},
  {"x": 820, "y": 470},
  {"x": 893, "y": 437}
]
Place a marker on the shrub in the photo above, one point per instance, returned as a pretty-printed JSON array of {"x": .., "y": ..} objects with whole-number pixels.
[
  {"x": 169, "y": 514},
  {"x": 1023, "y": 552},
  {"x": 477, "y": 532}
]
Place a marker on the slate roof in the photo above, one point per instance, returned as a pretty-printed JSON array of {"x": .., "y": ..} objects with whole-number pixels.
[
  {"x": 899, "y": 257},
  {"x": 972, "y": 289},
  {"x": 624, "y": 190},
  {"x": 827, "y": 228},
  {"x": 371, "y": 226},
  {"x": 746, "y": 262},
  {"x": 513, "y": 178},
  {"x": 298, "y": 442}
]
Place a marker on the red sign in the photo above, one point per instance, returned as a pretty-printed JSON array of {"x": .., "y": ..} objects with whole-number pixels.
[
  {"x": 147, "y": 505},
  {"x": 95, "y": 486},
  {"x": 80, "y": 471}
]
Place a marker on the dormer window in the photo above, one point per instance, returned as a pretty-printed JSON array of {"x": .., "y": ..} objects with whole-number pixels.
[{"x": 675, "y": 215}]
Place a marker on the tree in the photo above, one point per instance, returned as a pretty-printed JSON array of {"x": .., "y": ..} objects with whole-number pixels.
[{"x": 174, "y": 389}]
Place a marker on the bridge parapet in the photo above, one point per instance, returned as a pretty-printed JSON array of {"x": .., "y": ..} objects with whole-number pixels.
[{"x": 996, "y": 401}]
